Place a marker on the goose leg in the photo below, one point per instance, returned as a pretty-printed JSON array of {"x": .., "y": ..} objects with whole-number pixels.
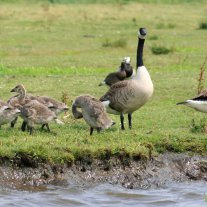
[
  {"x": 122, "y": 121},
  {"x": 14, "y": 122},
  {"x": 23, "y": 127},
  {"x": 48, "y": 128},
  {"x": 98, "y": 129},
  {"x": 42, "y": 127},
  {"x": 91, "y": 130},
  {"x": 30, "y": 130},
  {"x": 130, "y": 120}
]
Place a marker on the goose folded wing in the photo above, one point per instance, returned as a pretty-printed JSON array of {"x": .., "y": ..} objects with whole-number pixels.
[
  {"x": 116, "y": 95},
  {"x": 201, "y": 97}
]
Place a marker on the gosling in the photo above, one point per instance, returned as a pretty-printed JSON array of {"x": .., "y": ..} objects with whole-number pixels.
[
  {"x": 7, "y": 113},
  {"x": 23, "y": 98},
  {"x": 35, "y": 112},
  {"x": 93, "y": 112}
]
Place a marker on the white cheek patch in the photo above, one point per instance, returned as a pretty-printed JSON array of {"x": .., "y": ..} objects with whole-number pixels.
[{"x": 127, "y": 60}]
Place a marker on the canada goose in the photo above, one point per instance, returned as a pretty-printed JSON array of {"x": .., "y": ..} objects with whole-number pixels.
[
  {"x": 129, "y": 95},
  {"x": 7, "y": 113},
  {"x": 23, "y": 98},
  {"x": 92, "y": 111},
  {"x": 198, "y": 103},
  {"x": 125, "y": 71},
  {"x": 35, "y": 112}
]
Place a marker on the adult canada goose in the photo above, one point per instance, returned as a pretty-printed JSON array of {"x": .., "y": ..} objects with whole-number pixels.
[
  {"x": 125, "y": 71},
  {"x": 7, "y": 113},
  {"x": 127, "y": 96},
  {"x": 198, "y": 103},
  {"x": 92, "y": 111},
  {"x": 35, "y": 112}
]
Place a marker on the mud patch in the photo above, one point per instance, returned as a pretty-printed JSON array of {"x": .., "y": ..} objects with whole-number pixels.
[{"x": 160, "y": 171}]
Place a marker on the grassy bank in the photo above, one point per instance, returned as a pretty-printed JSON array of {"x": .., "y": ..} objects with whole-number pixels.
[{"x": 56, "y": 48}]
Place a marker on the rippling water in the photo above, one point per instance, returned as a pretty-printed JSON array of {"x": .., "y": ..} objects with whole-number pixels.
[{"x": 193, "y": 194}]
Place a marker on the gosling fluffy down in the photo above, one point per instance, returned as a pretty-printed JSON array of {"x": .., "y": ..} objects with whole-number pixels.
[
  {"x": 7, "y": 113},
  {"x": 92, "y": 111},
  {"x": 35, "y": 112}
]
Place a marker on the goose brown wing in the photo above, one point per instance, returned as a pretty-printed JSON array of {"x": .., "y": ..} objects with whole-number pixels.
[
  {"x": 117, "y": 95},
  {"x": 111, "y": 78}
]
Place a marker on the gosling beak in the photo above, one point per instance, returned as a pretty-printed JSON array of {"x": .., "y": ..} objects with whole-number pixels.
[
  {"x": 12, "y": 90},
  {"x": 102, "y": 83}
]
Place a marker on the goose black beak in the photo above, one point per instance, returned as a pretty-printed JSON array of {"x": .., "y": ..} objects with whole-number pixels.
[{"x": 12, "y": 90}]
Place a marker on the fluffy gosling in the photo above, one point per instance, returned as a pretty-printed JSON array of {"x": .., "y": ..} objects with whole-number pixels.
[{"x": 93, "y": 112}]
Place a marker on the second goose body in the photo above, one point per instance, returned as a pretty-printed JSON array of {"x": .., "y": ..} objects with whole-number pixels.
[
  {"x": 127, "y": 96},
  {"x": 198, "y": 103},
  {"x": 125, "y": 71}
]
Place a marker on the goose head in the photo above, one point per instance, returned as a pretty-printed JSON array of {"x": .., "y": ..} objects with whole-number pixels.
[
  {"x": 126, "y": 60},
  {"x": 19, "y": 89},
  {"x": 125, "y": 66},
  {"x": 142, "y": 33}
]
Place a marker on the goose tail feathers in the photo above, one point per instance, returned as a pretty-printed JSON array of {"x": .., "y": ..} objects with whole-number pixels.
[{"x": 58, "y": 121}]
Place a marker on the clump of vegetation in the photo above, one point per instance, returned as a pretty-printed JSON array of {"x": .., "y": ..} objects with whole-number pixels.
[
  {"x": 153, "y": 37},
  {"x": 161, "y": 50},
  {"x": 65, "y": 98},
  {"x": 200, "y": 127},
  {"x": 201, "y": 77},
  {"x": 203, "y": 25},
  {"x": 117, "y": 43}
]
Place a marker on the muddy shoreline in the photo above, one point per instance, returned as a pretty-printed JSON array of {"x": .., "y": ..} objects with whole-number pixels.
[{"x": 157, "y": 172}]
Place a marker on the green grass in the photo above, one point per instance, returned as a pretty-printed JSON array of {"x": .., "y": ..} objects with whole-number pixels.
[{"x": 56, "y": 49}]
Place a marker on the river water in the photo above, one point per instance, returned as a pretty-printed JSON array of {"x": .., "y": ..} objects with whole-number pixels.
[{"x": 192, "y": 194}]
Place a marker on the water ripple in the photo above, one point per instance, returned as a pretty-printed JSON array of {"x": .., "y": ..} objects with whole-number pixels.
[{"x": 105, "y": 195}]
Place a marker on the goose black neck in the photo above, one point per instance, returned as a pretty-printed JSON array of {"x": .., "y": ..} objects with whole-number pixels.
[{"x": 140, "y": 52}]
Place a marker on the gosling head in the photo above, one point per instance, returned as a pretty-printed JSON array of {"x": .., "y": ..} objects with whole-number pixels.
[{"x": 18, "y": 89}]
